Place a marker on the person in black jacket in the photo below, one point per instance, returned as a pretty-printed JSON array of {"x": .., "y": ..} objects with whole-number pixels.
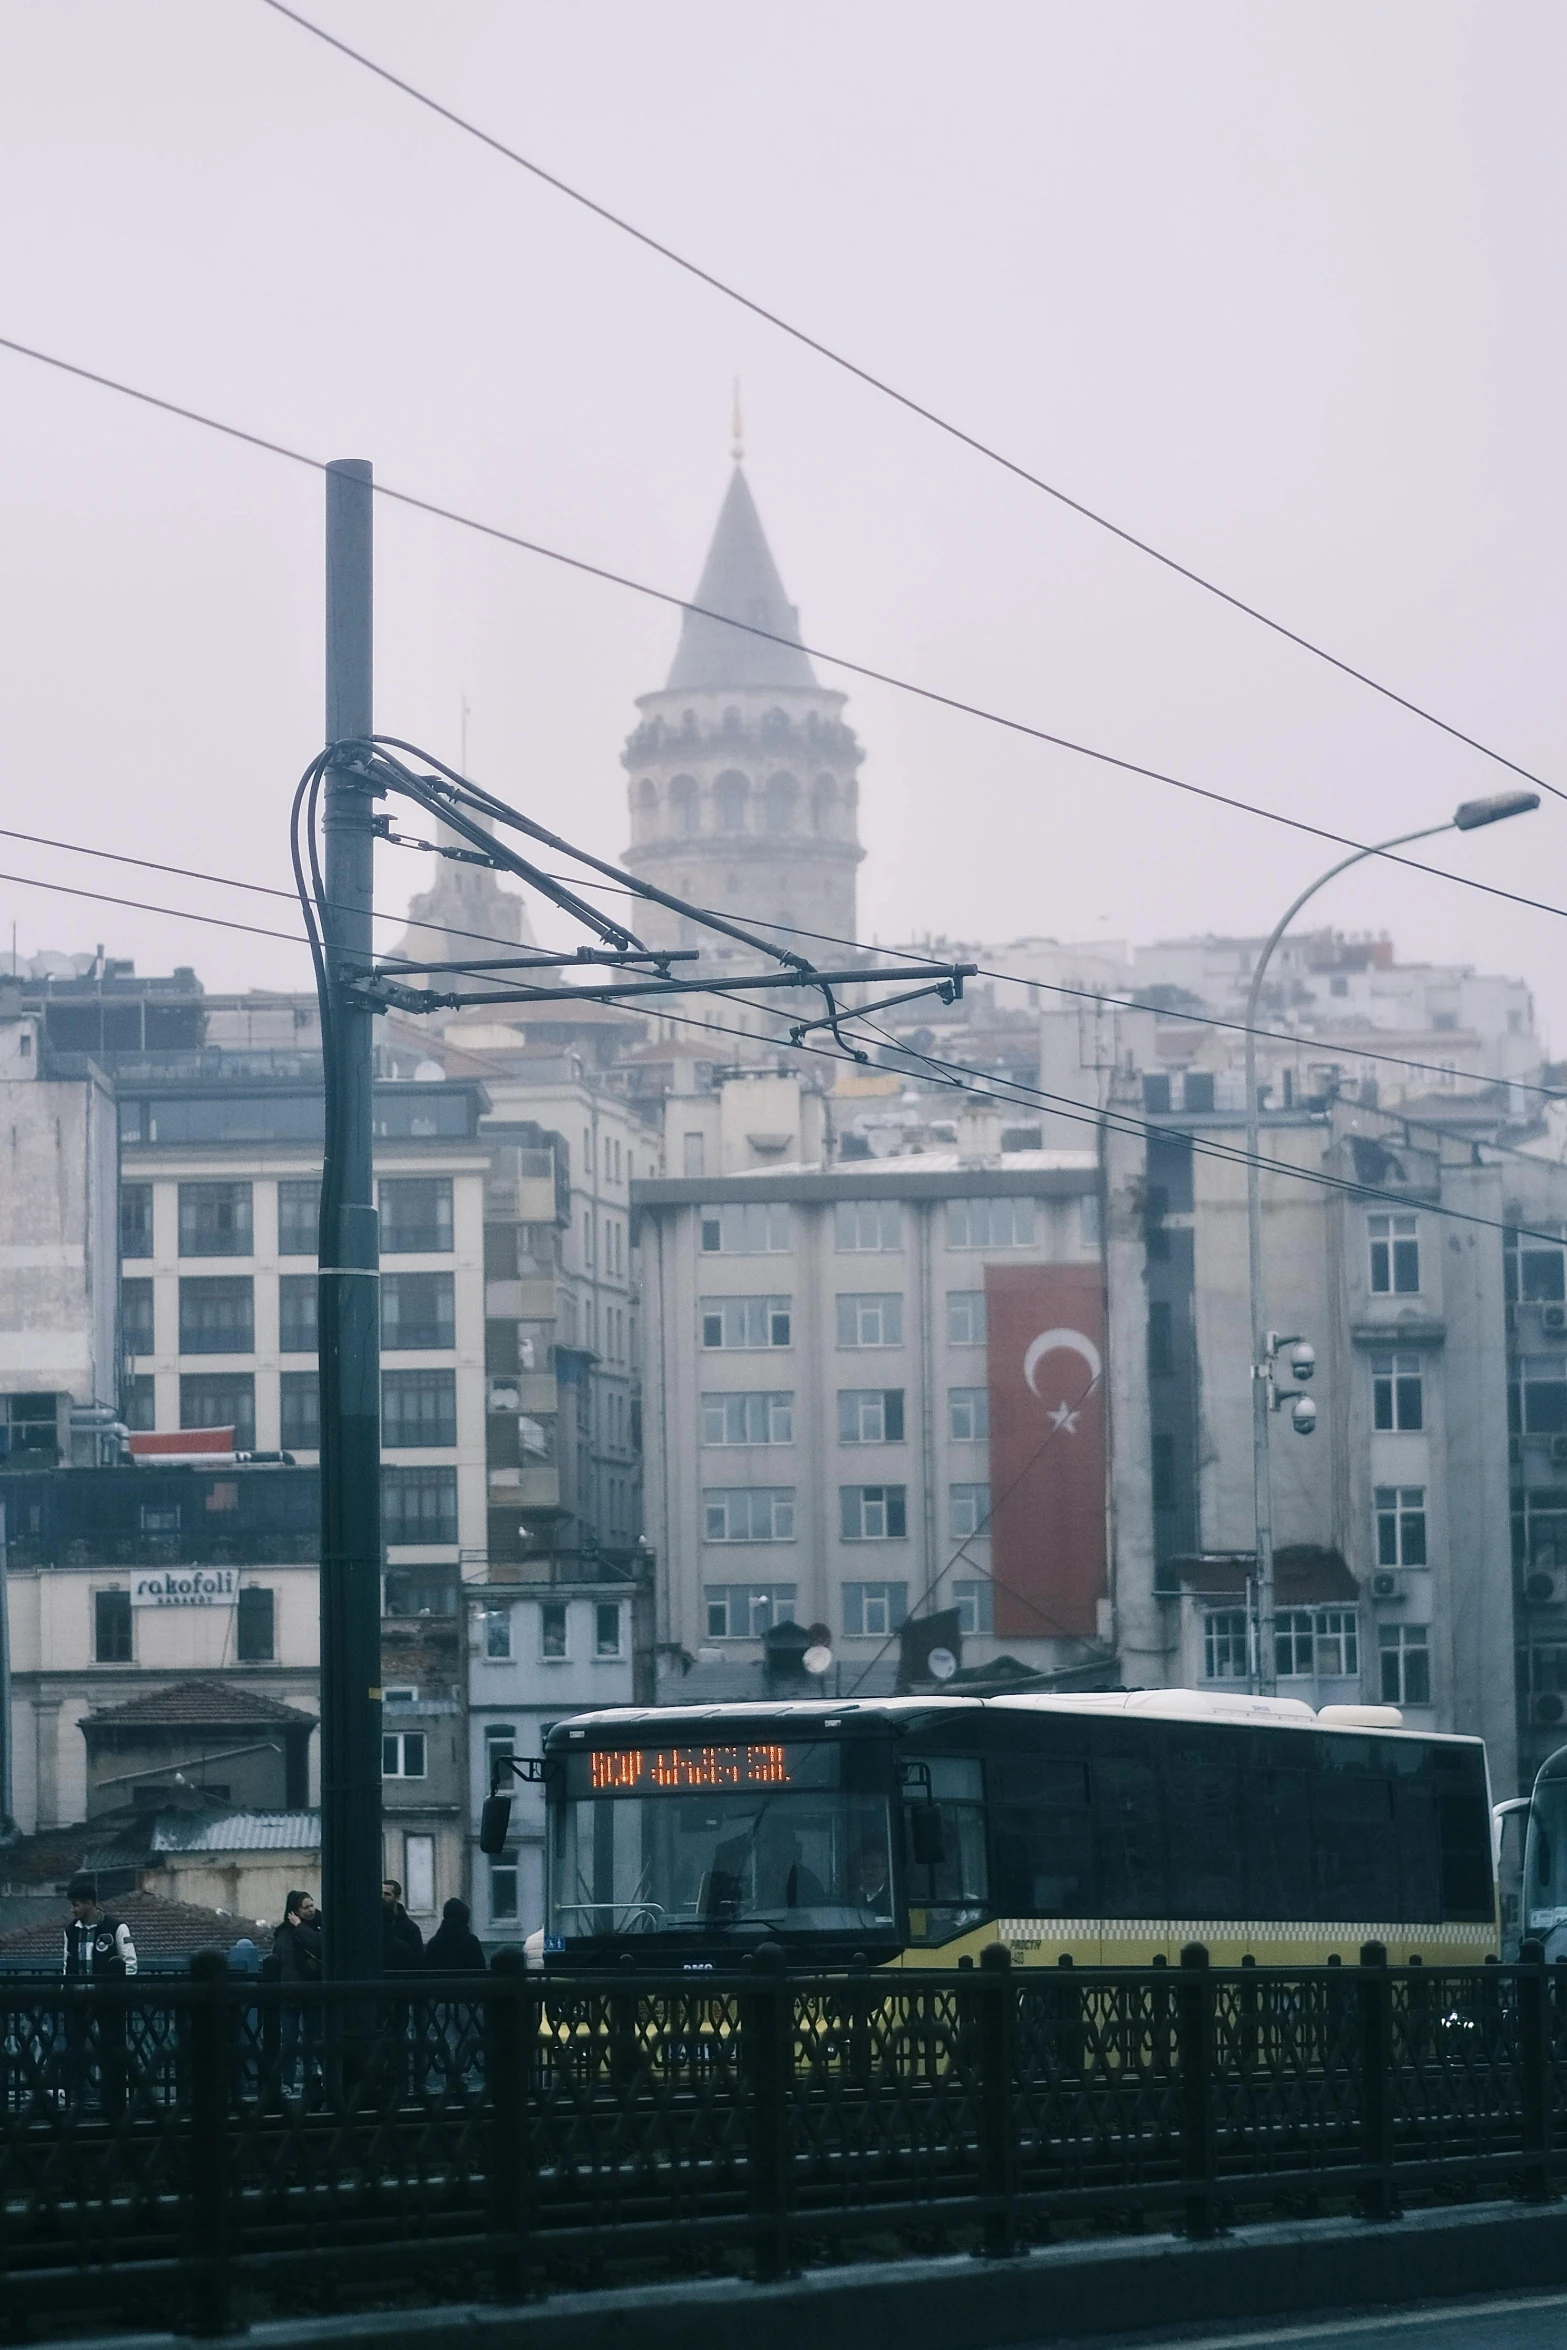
[
  {"x": 402, "y": 1944},
  {"x": 96, "y": 1949},
  {"x": 296, "y": 1947},
  {"x": 454, "y": 1948}
]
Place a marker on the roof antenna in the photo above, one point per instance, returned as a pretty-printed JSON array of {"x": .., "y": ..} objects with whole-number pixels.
[{"x": 737, "y": 427}]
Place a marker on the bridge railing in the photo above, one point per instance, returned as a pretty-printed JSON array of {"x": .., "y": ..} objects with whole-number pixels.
[{"x": 170, "y": 2143}]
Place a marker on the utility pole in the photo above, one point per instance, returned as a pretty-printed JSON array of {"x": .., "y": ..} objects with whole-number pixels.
[{"x": 349, "y": 1295}]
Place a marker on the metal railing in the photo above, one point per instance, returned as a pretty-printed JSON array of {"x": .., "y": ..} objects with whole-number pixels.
[{"x": 175, "y": 2142}]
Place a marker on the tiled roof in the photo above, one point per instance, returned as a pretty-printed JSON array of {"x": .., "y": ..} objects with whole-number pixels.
[
  {"x": 238, "y": 1831},
  {"x": 194, "y": 1704},
  {"x": 164, "y": 1932}
]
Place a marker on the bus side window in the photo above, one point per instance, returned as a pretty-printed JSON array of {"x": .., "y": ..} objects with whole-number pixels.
[
  {"x": 1277, "y": 1815},
  {"x": 1202, "y": 1786},
  {"x": 1130, "y": 1837},
  {"x": 1464, "y": 1825},
  {"x": 1043, "y": 1835}
]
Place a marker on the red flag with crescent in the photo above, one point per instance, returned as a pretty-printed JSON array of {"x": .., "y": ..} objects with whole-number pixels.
[{"x": 1045, "y": 1332}]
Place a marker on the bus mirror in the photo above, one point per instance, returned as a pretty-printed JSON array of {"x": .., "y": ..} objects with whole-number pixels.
[
  {"x": 925, "y": 1836},
  {"x": 494, "y": 1820}
]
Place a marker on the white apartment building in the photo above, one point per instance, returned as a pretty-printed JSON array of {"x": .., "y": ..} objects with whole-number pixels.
[
  {"x": 534, "y": 1658},
  {"x": 819, "y": 1372}
]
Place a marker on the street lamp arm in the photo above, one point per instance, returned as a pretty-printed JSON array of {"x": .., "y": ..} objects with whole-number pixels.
[{"x": 1379, "y": 849}]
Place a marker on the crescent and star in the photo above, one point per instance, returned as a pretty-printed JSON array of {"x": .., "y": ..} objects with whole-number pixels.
[{"x": 1062, "y": 1416}]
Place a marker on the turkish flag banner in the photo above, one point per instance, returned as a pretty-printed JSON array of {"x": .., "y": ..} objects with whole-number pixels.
[{"x": 1045, "y": 1327}]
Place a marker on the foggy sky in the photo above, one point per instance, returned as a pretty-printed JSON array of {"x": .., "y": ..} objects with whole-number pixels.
[{"x": 1278, "y": 287}]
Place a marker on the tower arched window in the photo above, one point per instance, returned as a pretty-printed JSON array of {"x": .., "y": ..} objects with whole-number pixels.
[
  {"x": 731, "y": 792},
  {"x": 779, "y": 803},
  {"x": 824, "y": 801},
  {"x": 731, "y": 724},
  {"x": 684, "y": 804}
]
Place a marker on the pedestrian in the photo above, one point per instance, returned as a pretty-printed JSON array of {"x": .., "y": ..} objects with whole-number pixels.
[
  {"x": 454, "y": 1948},
  {"x": 402, "y": 1953},
  {"x": 97, "y": 1951},
  {"x": 402, "y": 1944},
  {"x": 296, "y": 1946}
]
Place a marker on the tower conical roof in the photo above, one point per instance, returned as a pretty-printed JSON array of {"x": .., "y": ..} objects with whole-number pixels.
[{"x": 740, "y": 580}]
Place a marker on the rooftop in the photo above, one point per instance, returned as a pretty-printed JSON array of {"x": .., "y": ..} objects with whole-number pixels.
[{"x": 195, "y": 1703}]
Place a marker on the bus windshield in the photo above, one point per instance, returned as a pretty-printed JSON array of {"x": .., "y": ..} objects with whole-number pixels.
[{"x": 734, "y": 1842}]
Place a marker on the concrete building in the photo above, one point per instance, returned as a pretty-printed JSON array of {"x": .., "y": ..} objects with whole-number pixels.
[
  {"x": 59, "y": 1366},
  {"x": 828, "y": 1348}
]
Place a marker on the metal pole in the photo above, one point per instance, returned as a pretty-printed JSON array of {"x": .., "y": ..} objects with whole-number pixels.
[
  {"x": 1265, "y": 1678},
  {"x": 349, "y": 1292}
]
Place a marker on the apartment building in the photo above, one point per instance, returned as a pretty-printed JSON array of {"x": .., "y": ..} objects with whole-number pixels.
[{"x": 877, "y": 1390}]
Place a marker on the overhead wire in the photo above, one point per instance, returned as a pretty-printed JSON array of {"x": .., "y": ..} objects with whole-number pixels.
[
  {"x": 904, "y": 400},
  {"x": 931, "y": 695}
]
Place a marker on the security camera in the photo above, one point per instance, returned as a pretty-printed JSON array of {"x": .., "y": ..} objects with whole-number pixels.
[
  {"x": 1304, "y": 1415},
  {"x": 1303, "y": 1359}
]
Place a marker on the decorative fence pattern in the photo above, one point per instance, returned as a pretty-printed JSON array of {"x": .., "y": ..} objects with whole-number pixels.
[{"x": 163, "y": 2141}]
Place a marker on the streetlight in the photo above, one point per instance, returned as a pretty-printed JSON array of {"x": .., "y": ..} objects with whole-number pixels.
[{"x": 1468, "y": 818}]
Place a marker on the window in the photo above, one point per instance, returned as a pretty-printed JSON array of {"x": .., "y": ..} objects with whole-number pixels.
[
  {"x": 692, "y": 1154},
  {"x": 867, "y": 1225},
  {"x": 1534, "y": 1271},
  {"x": 500, "y": 1744},
  {"x": 419, "y": 1875},
  {"x": 298, "y": 1216},
  {"x": 873, "y": 1610},
  {"x": 870, "y": 1415},
  {"x": 872, "y": 1513},
  {"x": 218, "y": 1315},
  {"x": 1401, "y": 1525},
  {"x": 968, "y": 1414},
  {"x": 420, "y": 1591},
  {"x": 112, "y": 1627},
  {"x": 1161, "y": 1351},
  {"x": 135, "y": 1219},
  {"x": 973, "y": 1599},
  {"x": 778, "y": 801},
  {"x": 1395, "y": 1255},
  {"x": 745, "y": 1322},
  {"x": 873, "y": 1319},
  {"x": 606, "y": 1627},
  {"x": 402, "y": 1756},
  {"x": 685, "y": 805},
  {"x": 730, "y": 793},
  {"x": 1404, "y": 1655},
  {"x": 744, "y": 1611},
  {"x": 215, "y": 1220},
  {"x": 418, "y": 1505},
  {"x": 745, "y": 1228},
  {"x": 748, "y": 1513},
  {"x": 416, "y": 1215},
  {"x": 497, "y": 1635},
  {"x": 748, "y": 1418},
  {"x": 1540, "y": 1527},
  {"x": 417, "y": 1311},
  {"x": 1197, "y": 1091},
  {"x": 965, "y": 1317},
  {"x": 1162, "y": 1465},
  {"x": 139, "y": 1403},
  {"x": 553, "y": 1627},
  {"x": 1537, "y": 1396},
  {"x": 1156, "y": 1094},
  {"x": 1397, "y": 1392},
  {"x": 299, "y": 1415},
  {"x": 990, "y": 1223},
  {"x": 970, "y": 1507},
  {"x": 1226, "y": 1645},
  {"x": 503, "y": 1891},
  {"x": 418, "y": 1408},
  {"x": 296, "y": 1313},
  {"x": 255, "y": 1625},
  {"x": 136, "y": 1317},
  {"x": 1317, "y": 1643},
  {"x": 220, "y": 1399}
]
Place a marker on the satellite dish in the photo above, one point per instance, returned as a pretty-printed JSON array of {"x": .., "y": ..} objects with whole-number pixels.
[
  {"x": 941, "y": 1664},
  {"x": 429, "y": 1073},
  {"x": 817, "y": 1657}
]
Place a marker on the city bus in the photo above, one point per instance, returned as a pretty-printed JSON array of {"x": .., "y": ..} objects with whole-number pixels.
[{"x": 1107, "y": 1829}]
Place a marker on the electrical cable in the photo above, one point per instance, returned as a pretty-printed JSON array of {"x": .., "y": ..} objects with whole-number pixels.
[
  {"x": 889, "y": 678},
  {"x": 904, "y": 400}
]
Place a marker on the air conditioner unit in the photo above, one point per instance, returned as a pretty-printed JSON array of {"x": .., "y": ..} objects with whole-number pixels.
[
  {"x": 1553, "y": 1317},
  {"x": 1559, "y": 1448},
  {"x": 1385, "y": 1586},
  {"x": 1544, "y": 1587},
  {"x": 1549, "y": 1708}
]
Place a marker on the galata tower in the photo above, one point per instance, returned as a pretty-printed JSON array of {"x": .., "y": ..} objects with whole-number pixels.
[{"x": 742, "y": 772}]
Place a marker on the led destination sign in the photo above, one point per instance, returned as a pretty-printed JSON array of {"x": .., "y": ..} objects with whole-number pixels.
[{"x": 645, "y": 1770}]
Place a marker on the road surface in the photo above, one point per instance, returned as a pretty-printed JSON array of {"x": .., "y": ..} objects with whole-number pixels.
[{"x": 1534, "y": 2321}]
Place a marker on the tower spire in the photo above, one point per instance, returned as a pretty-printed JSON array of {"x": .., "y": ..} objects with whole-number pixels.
[{"x": 737, "y": 428}]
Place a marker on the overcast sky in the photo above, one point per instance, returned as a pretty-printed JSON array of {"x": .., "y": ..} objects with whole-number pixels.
[{"x": 1277, "y": 286}]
